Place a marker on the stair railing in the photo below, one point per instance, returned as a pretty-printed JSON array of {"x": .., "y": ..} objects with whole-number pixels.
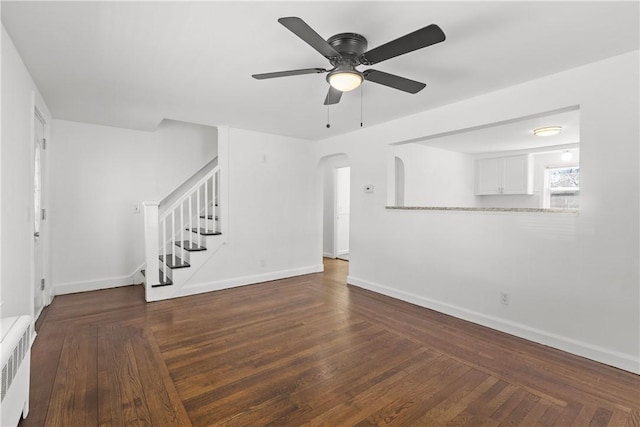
[{"x": 162, "y": 231}]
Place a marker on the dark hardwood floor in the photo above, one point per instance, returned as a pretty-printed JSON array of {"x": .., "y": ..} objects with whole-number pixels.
[{"x": 308, "y": 350}]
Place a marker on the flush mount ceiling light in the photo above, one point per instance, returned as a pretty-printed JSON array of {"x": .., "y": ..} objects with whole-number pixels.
[
  {"x": 345, "y": 80},
  {"x": 566, "y": 156},
  {"x": 547, "y": 131}
]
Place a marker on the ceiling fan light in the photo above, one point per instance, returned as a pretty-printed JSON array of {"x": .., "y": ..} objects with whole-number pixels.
[
  {"x": 547, "y": 131},
  {"x": 345, "y": 81}
]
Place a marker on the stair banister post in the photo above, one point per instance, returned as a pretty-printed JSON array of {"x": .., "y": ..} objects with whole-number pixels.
[
  {"x": 151, "y": 245},
  {"x": 206, "y": 204},
  {"x": 182, "y": 225},
  {"x": 214, "y": 196}
]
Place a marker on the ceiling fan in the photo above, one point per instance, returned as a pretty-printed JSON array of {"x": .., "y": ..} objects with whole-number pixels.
[{"x": 346, "y": 51}]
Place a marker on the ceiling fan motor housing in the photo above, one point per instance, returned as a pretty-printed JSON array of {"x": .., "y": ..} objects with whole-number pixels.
[{"x": 350, "y": 46}]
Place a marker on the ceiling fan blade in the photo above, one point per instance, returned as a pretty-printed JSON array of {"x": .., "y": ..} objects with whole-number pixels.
[
  {"x": 431, "y": 34},
  {"x": 301, "y": 29},
  {"x": 333, "y": 96},
  {"x": 393, "y": 81},
  {"x": 289, "y": 73}
]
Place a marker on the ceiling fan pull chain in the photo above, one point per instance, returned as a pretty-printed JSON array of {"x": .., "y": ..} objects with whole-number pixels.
[
  {"x": 328, "y": 120},
  {"x": 361, "y": 96}
]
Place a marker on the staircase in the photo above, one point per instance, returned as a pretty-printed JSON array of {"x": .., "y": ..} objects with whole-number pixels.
[{"x": 181, "y": 232}]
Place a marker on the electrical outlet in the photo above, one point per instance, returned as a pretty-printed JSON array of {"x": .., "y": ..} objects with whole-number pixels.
[
  {"x": 504, "y": 298},
  {"x": 136, "y": 209},
  {"x": 262, "y": 263}
]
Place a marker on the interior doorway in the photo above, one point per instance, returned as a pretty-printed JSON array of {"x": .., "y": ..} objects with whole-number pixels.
[
  {"x": 38, "y": 213},
  {"x": 336, "y": 182},
  {"x": 342, "y": 206}
]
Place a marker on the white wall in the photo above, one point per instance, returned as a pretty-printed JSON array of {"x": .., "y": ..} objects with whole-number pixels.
[
  {"x": 98, "y": 174},
  {"x": 573, "y": 278},
  {"x": 272, "y": 213},
  {"x": 328, "y": 168},
  {"x": 19, "y": 94},
  {"x": 435, "y": 177}
]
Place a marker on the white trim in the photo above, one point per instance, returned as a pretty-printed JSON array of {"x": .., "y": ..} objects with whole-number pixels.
[
  {"x": 337, "y": 185},
  {"x": 233, "y": 282},
  {"x": 224, "y": 142},
  {"x": 92, "y": 285},
  {"x": 334, "y": 220},
  {"x": 39, "y": 110},
  {"x": 594, "y": 352},
  {"x": 328, "y": 255}
]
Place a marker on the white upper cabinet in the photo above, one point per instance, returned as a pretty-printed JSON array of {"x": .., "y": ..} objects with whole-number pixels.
[
  {"x": 488, "y": 176},
  {"x": 504, "y": 175}
]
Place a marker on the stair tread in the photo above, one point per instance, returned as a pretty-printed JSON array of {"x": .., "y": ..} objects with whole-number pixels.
[
  {"x": 190, "y": 246},
  {"x": 210, "y": 217},
  {"x": 163, "y": 282},
  {"x": 205, "y": 232},
  {"x": 175, "y": 262}
]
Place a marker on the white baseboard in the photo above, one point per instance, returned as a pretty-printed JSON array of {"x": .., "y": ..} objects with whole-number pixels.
[
  {"x": 328, "y": 255},
  {"x": 247, "y": 280},
  {"x": 590, "y": 351},
  {"x": 91, "y": 285}
]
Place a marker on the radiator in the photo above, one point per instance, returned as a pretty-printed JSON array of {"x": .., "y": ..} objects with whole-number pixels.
[{"x": 15, "y": 348}]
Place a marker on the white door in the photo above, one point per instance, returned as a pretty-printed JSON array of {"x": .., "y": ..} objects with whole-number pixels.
[
  {"x": 343, "y": 183},
  {"x": 38, "y": 259}
]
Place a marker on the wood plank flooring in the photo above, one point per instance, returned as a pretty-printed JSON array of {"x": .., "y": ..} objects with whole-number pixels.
[{"x": 309, "y": 351}]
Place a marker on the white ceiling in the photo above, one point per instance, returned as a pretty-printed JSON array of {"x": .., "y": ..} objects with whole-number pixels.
[
  {"x": 132, "y": 64},
  {"x": 513, "y": 135}
]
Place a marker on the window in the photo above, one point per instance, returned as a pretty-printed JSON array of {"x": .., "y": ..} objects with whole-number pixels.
[{"x": 562, "y": 188}]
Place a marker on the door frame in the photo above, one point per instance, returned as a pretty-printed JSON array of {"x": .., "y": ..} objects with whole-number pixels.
[
  {"x": 336, "y": 214},
  {"x": 327, "y": 165},
  {"x": 39, "y": 109}
]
